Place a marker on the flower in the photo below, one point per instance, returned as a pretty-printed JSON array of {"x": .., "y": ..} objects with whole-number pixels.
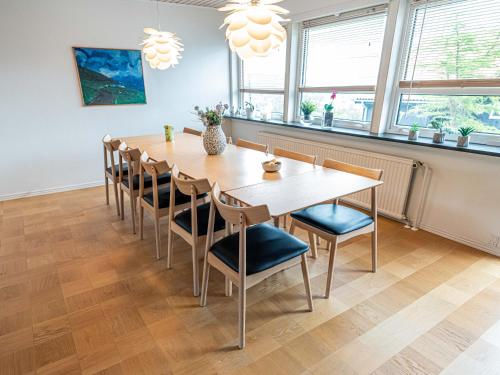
[
  {"x": 334, "y": 94},
  {"x": 211, "y": 117}
]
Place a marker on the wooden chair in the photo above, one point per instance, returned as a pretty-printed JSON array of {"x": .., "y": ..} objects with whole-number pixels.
[
  {"x": 251, "y": 255},
  {"x": 131, "y": 184},
  {"x": 192, "y": 224},
  {"x": 158, "y": 200},
  {"x": 192, "y": 131},
  {"x": 337, "y": 223},
  {"x": 254, "y": 146},
  {"x": 111, "y": 170}
]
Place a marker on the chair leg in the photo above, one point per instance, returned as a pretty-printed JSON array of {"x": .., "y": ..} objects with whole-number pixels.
[
  {"x": 292, "y": 228},
  {"x": 141, "y": 221},
  {"x": 115, "y": 187},
  {"x": 204, "y": 285},
  {"x": 196, "y": 272},
  {"x": 122, "y": 206},
  {"x": 276, "y": 221},
  {"x": 374, "y": 251},
  {"x": 331, "y": 265},
  {"x": 242, "y": 307},
  {"x": 284, "y": 222},
  {"x": 106, "y": 186},
  {"x": 170, "y": 245},
  {"x": 312, "y": 243},
  {"x": 318, "y": 240},
  {"x": 228, "y": 287},
  {"x": 307, "y": 283},
  {"x": 132, "y": 212},
  {"x": 158, "y": 236}
]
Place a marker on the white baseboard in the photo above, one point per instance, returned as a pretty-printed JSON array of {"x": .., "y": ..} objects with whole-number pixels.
[
  {"x": 465, "y": 241},
  {"x": 60, "y": 189}
]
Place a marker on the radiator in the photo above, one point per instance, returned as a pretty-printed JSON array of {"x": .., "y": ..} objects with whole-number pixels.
[{"x": 397, "y": 177}]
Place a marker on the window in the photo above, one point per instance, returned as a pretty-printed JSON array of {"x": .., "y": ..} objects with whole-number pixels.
[
  {"x": 262, "y": 83},
  {"x": 343, "y": 53},
  {"x": 451, "y": 65}
]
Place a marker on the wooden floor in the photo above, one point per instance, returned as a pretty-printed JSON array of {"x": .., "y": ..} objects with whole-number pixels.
[{"x": 80, "y": 294}]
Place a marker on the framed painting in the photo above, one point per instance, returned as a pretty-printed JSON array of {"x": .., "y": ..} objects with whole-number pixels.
[{"x": 110, "y": 76}]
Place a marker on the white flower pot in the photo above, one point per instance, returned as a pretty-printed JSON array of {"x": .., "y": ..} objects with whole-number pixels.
[
  {"x": 438, "y": 137},
  {"x": 463, "y": 141},
  {"x": 214, "y": 140},
  {"x": 249, "y": 113},
  {"x": 413, "y": 135}
]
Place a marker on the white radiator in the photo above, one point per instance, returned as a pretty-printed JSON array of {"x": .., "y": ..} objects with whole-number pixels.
[{"x": 397, "y": 177}]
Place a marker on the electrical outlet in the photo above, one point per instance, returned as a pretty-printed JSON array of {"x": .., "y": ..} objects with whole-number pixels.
[{"x": 494, "y": 241}]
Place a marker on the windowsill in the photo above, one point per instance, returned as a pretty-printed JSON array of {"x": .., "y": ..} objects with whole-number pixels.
[{"x": 474, "y": 148}]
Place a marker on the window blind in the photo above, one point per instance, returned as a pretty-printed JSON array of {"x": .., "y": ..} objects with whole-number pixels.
[
  {"x": 265, "y": 73},
  {"x": 343, "y": 50},
  {"x": 455, "y": 40}
]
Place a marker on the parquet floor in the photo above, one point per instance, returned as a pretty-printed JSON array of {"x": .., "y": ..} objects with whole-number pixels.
[{"x": 80, "y": 294}]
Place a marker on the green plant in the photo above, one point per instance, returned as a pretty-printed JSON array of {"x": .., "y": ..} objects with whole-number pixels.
[
  {"x": 328, "y": 107},
  {"x": 465, "y": 131},
  {"x": 249, "y": 106},
  {"x": 307, "y": 107},
  {"x": 211, "y": 117},
  {"x": 440, "y": 124},
  {"x": 414, "y": 127}
]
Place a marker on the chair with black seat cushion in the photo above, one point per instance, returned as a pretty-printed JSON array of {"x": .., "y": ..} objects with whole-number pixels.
[
  {"x": 157, "y": 201},
  {"x": 130, "y": 181},
  {"x": 336, "y": 223},
  {"x": 111, "y": 170},
  {"x": 254, "y": 253},
  {"x": 192, "y": 224}
]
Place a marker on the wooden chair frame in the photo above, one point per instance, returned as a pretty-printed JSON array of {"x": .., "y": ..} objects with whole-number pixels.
[
  {"x": 110, "y": 146},
  {"x": 334, "y": 240},
  {"x": 244, "y": 217},
  {"x": 193, "y": 132},
  {"x": 155, "y": 169},
  {"x": 193, "y": 188},
  {"x": 252, "y": 145}
]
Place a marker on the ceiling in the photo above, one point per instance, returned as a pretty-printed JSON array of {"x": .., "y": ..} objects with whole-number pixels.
[{"x": 200, "y": 3}]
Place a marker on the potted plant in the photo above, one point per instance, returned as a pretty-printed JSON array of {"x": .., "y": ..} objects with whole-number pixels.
[
  {"x": 214, "y": 139},
  {"x": 413, "y": 132},
  {"x": 464, "y": 136},
  {"x": 249, "y": 108},
  {"x": 328, "y": 114},
  {"x": 307, "y": 107},
  {"x": 439, "y": 125}
]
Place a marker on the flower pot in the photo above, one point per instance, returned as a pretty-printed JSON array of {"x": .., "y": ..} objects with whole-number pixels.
[
  {"x": 413, "y": 135},
  {"x": 328, "y": 119},
  {"x": 214, "y": 140},
  {"x": 438, "y": 137},
  {"x": 307, "y": 117},
  {"x": 463, "y": 141},
  {"x": 249, "y": 113}
]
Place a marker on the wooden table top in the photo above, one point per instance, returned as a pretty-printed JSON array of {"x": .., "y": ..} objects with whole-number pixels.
[
  {"x": 237, "y": 167},
  {"x": 301, "y": 191}
]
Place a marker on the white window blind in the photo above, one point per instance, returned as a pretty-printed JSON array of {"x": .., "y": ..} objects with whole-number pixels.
[
  {"x": 265, "y": 73},
  {"x": 455, "y": 40},
  {"x": 343, "y": 50}
]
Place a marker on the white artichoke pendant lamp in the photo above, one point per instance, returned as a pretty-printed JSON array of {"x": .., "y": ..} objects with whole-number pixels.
[
  {"x": 254, "y": 26},
  {"x": 161, "y": 49}
]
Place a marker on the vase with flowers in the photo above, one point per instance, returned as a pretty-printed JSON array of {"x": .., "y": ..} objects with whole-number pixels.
[
  {"x": 214, "y": 139},
  {"x": 328, "y": 111}
]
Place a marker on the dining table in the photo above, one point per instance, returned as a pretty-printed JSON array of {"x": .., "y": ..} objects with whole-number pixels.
[{"x": 239, "y": 173}]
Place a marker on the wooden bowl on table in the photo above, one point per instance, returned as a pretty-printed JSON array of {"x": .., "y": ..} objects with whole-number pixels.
[{"x": 271, "y": 165}]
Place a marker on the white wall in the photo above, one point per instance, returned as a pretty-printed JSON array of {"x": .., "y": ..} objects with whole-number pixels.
[
  {"x": 463, "y": 203},
  {"x": 48, "y": 139}
]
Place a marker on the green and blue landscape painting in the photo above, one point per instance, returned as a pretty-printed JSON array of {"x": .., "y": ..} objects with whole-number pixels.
[{"x": 110, "y": 76}]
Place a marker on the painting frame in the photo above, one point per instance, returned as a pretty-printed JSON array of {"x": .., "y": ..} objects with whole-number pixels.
[{"x": 79, "y": 78}]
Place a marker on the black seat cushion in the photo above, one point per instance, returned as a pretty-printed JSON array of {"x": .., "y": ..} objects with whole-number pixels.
[
  {"x": 164, "y": 197},
  {"x": 333, "y": 218},
  {"x": 267, "y": 246},
  {"x": 117, "y": 169},
  {"x": 148, "y": 181},
  {"x": 184, "y": 220}
]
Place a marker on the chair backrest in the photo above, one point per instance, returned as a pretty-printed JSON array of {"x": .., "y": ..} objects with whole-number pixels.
[
  {"x": 133, "y": 158},
  {"x": 375, "y": 174},
  {"x": 294, "y": 155},
  {"x": 189, "y": 187},
  {"x": 154, "y": 169},
  {"x": 192, "y": 131},
  {"x": 243, "y": 216},
  {"x": 110, "y": 145},
  {"x": 252, "y": 145}
]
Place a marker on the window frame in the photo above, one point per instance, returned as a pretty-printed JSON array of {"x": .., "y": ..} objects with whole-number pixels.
[
  {"x": 463, "y": 87},
  {"x": 300, "y": 88}
]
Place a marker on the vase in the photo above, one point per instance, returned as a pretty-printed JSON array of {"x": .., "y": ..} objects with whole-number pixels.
[
  {"x": 328, "y": 119},
  {"x": 249, "y": 113},
  {"x": 214, "y": 140},
  {"x": 413, "y": 135},
  {"x": 169, "y": 133},
  {"x": 438, "y": 137},
  {"x": 463, "y": 141}
]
